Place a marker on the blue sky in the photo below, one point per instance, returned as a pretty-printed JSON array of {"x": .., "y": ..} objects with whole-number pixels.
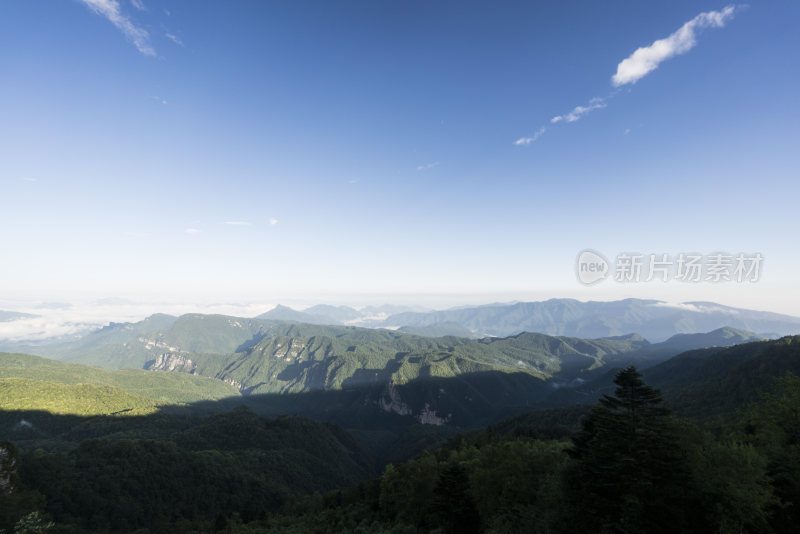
[{"x": 375, "y": 150}]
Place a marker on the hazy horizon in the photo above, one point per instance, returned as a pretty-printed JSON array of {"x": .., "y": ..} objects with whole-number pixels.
[
  {"x": 63, "y": 318},
  {"x": 185, "y": 155}
]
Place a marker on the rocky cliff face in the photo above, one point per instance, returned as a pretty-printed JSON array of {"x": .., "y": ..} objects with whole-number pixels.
[
  {"x": 391, "y": 401},
  {"x": 171, "y": 362},
  {"x": 429, "y": 417},
  {"x": 8, "y": 467},
  {"x": 168, "y": 361},
  {"x": 235, "y": 384}
]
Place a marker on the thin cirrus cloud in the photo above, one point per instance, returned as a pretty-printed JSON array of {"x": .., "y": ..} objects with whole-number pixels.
[
  {"x": 427, "y": 167},
  {"x": 580, "y": 111},
  {"x": 110, "y": 10},
  {"x": 238, "y": 223},
  {"x": 528, "y": 140},
  {"x": 645, "y": 60},
  {"x": 273, "y": 221},
  {"x": 173, "y": 38},
  {"x": 138, "y": 5}
]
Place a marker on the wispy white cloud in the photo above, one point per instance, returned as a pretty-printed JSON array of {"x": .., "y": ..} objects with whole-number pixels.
[
  {"x": 579, "y": 111},
  {"x": 273, "y": 221},
  {"x": 522, "y": 141},
  {"x": 110, "y": 9},
  {"x": 28, "y": 179},
  {"x": 192, "y": 231},
  {"x": 159, "y": 99},
  {"x": 238, "y": 223},
  {"x": 138, "y": 5},
  {"x": 54, "y": 306},
  {"x": 174, "y": 39},
  {"x": 427, "y": 167},
  {"x": 647, "y": 58}
]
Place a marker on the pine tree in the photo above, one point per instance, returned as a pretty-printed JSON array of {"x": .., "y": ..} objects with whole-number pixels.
[
  {"x": 774, "y": 427},
  {"x": 453, "y": 505},
  {"x": 628, "y": 474}
]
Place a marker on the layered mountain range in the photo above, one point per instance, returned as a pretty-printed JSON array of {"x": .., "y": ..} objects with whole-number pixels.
[
  {"x": 551, "y": 353},
  {"x": 436, "y": 380},
  {"x": 652, "y": 319},
  {"x": 395, "y": 393}
]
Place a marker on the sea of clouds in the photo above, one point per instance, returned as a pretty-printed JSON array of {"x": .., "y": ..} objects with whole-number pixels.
[{"x": 56, "y": 321}]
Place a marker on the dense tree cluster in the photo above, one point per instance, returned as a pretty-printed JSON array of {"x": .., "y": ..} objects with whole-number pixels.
[
  {"x": 631, "y": 468},
  {"x": 244, "y": 465}
]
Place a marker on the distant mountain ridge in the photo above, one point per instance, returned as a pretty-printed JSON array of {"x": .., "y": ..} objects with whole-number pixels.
[
  {"x": 132, "y": 345},
  {"x": 653, "y": 319},
  {"x": 285, "y": 313},
  {"x": 325, "y": 314}
]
